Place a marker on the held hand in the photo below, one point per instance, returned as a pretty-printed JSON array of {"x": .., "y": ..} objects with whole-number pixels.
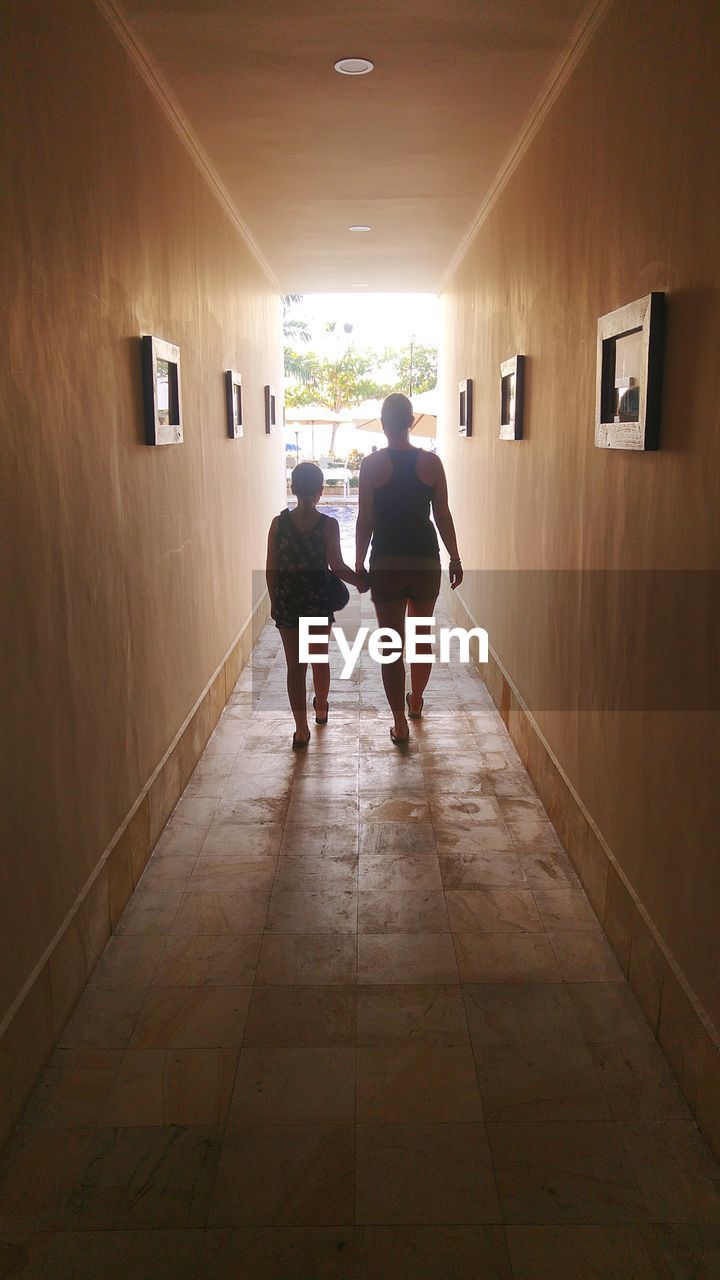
[
  {"x": 363, "y": 580},
  {"x": 456, "y": 573}
]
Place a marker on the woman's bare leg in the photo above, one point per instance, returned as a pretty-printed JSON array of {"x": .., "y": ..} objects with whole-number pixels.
[
  {"x": 420, "y": 672},
  {"x": 391, "y": 613},
  {"x": 321, "y": 675},
  {"x": 296, "y": 680}
]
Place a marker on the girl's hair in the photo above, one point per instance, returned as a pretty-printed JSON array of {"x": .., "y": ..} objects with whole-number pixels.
[
  {"x": 396, "y": 413},
  {"x": 306, "y": 480}
]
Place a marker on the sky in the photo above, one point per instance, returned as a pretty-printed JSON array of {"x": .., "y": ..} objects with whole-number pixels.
[{"x": 379, "y": 320}]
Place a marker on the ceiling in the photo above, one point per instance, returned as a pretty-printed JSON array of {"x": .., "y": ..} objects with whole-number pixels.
[{"x": 410, "y": 149}]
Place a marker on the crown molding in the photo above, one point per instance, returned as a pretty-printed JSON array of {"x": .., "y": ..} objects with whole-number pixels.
[
  {"x": 166, "y": 99},
  {"x": 563, "y": 69}
]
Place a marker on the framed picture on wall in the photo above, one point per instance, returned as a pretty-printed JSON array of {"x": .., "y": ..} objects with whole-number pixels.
[
  {"x": 512, "y": 398},
  {"x": 233, "y": 404},
  {"x": 161, "y": 391},
  {"x": 630, "y": 349},
  {"x": 465, "y": 406},
  {"x": 270, "y": 410}
]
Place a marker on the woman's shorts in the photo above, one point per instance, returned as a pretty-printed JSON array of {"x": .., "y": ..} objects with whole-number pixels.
[
  {"x": 404, "y": 578},
  {"x": 291, "y": 621}
]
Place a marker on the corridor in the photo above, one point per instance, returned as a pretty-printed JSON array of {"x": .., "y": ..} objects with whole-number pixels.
[{"x": 358, "y": 1019}]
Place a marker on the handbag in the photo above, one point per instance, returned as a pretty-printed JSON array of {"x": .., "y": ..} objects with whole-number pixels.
[{"x": 337, "y": 593}]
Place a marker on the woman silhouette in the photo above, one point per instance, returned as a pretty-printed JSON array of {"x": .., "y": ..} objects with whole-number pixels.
[{"x": 398, "y": 486}]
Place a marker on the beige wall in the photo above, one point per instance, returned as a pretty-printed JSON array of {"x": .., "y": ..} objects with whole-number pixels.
[
  {"x": 617, "y": 195},
  {"x": 128, "y": 569}
]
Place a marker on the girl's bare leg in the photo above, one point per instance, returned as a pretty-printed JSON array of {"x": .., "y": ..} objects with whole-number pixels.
[
  {"x": 321, "y": 675},
  {"x": 296, "y": 681}
]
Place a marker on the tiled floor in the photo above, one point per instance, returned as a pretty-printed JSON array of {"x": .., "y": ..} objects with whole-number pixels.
[{"x": 358, "y": 1020}]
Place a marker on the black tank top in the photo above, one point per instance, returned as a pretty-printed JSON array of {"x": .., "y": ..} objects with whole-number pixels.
[{"x": 402, "y": 525}]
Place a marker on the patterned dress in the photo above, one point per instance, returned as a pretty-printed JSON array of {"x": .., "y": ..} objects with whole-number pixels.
[{"x": 301, "y": 572}]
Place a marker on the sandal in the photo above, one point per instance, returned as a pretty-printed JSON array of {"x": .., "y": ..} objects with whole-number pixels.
[
  {"x": 318, "y": 721},
  {"x": 414, "y": 715},
  {"x": 400, "y": 742},
  {"x": 298, "y": 744}
]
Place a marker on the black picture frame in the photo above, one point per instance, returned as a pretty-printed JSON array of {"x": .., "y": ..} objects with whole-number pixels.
[
  {"x": 465, "y": 406},
  {"x": 270, "y": 409},
  {"x": 512, "y": 398},
  {"x": 234, "y": 404},
  {"x": 162, "y": 395},
  {"x": 628, "y": 398}
]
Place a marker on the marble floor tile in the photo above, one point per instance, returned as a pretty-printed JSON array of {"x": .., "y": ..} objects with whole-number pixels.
[
  {"x": 244, "y": 841},
  {"x": 411, "y": 1015},
  {"x": 513, "y": 1014},
  {"x": 307, "y": 872},
  {"x": 218, "y": 873},
  {"x": 549, "y": 869},
  {"x": 192, "y": 1018},
  {"x": 608, "y": 1013},
  {"x": 215, "y": 961},
  {"x": 279, "y": 1253},
  {"x": 285, "y": 1175},
  {"x": 505, "y": 957},
  {"x": 115, "y": 1255},
  {"x": 465, "y": 810},
  {"x": 208, "y": 911},
  {"x": 382, "y": 873},
  {"x": 477, "y": 869},
  {"x": 691, "y": 1252},
  {"x": 402, "y": 911},
  {"x": 151, "y": 910},
  {"x": 312, "y": 911},
  {"x": 639, "y": 1083},
  {"x": 585, "y": 957},
  {"x": 564, "y": 1172},
  {"x": 301, "y": 1016},
  {"x": 380, "y": 839},
  {"x": 590, "y": 1252},
  {"x": 129, "y": 961},
  {"x": 407, "y": 806},
  {"x": 74, "y": 1088},
  {"x": 565, "y": 909},
  {"x": 236, "y": 811},
  {"x": 318, "y": 841},
  {"x": 308, "y": 809},
  {"x": 168, "y": 870},
  {"x": 406, "y": 958},
  {"x": 547, "y": 1081},
  {"x": 494, "y": 837},
  {"x": 307, "y": 960},
  {"x": 104, "y": 1018},
  {"x": 171, "y": 1087},
  {"x": 492, "y": 910},
  {"x": 424, "y": 1173},
  {"x": 437, "y": 1252},
  {"x": 679, "y": 1178},
  {"x": 407, "y": 1084},
  {"x": 295, "y": 1085}
]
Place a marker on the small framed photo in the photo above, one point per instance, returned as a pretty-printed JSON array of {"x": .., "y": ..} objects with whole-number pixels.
[
  {"x": 270, "y": 410},
  {"x": 161, "y": 391},
  {"x": 233, "y": 404},
  {"x": 630, "y": 348},
  {"x": 465, "y": 406},
  {"x": 512, "y": 398}
]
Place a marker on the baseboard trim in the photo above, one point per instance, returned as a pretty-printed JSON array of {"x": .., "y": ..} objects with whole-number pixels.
[
  {"x": 679, "y": 1022},
  {"x": 34, "y": 1023}
]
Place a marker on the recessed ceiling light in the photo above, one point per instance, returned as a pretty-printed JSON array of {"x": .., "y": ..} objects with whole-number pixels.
[
  {"x": 359, "y": 228},
  {"x": 354, "y": 66}
]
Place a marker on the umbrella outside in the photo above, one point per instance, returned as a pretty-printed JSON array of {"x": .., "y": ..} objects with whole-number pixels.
[{"x": 367, "y": 415}]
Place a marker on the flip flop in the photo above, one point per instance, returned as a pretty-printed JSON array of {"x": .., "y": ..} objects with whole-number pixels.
[
  {"x": 414, "y": 715},
  {"x": 297, "y": 745},
  {"x": 399, "y": 742},
  {"x": 317, "y": 721}
]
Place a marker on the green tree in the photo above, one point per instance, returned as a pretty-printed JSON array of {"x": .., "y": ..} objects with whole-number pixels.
[
  {"x": 337, "y": 384},
  {"x": 354, "y": 459},
  {"x": 294, "y": 330},
  {"x": 415, "y": 368}
]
